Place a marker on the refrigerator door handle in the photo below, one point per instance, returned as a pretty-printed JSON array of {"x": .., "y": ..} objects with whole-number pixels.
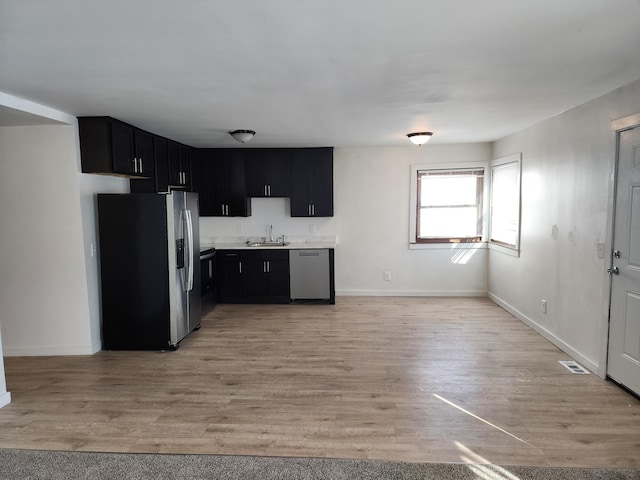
[{"x": 189, "y": 253}]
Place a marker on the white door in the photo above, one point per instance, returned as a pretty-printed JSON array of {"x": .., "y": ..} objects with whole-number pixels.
[{"x": 624, "y": 329}]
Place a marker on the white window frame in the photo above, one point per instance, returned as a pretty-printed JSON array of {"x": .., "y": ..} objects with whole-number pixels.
[
  {"x": 513, "y": 250},
  {"x": 413, "y": 207}
]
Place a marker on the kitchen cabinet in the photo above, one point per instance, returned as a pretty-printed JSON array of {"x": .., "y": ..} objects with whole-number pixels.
[
  {"x": 267, "y": 172},
  {"x": 179, "y": 157},
  {"x": 221, "y": 183},
  {"x": 208, "y": 278},
  {"x": 109, "y": 146},
  {"x": 231, "y": 277},
  {"x": 267, "y": 276},
  {"x": 159, "y": 181},
  {"x": 312, "y": 182},
  {"x": 253, "y": 276}
]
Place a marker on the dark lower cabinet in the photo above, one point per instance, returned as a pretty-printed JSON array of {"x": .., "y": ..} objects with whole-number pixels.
[
  {"x": 208, "y": 278},
  {"x": 253, "y": 276}
]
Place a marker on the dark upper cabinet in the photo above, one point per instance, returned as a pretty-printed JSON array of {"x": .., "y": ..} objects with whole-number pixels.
[
  {"x": 267, "y": 172},
  {"x": 179, "y": 165},
  {"x": 109, "y": 146},
  {"x": 221, "y": 183},
  {"x": 312, "y": 182},
  {"x": 159, "y": 182}
]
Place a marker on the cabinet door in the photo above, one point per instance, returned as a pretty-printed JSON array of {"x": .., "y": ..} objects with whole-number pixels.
[
  {"x": 185, "y": 165},
  {"x": 234, "y": 183},
  {"x": 267, "y": 172},
  {"x": 144, "y": 161},
  {"x": 175, "y": 174},
  {"x": 231, "y": 276},
  {"x": 215, "y": 184},
  {"x": 257, "y": 276},
  {"x": 122, "y": 148},
  {"x": 299, "y": 187},
  {"x": 312, "y": 182},
  {"x": 267, "y": 279},
  {"x": 161, "y": 155},
  {"x": 321, "y": 182},
  {"x": 255, "y": 175},
  {"x": 277, "y": 172},
  {"x": 278, "y": 270}
]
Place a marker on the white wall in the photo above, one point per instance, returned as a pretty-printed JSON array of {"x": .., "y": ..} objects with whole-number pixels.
[
  {"x": 45, "y": 284},
  {"x": 371, "y": 222},
  {"x": 43, "y": 291},
  {"x": 566, "y": 184}
]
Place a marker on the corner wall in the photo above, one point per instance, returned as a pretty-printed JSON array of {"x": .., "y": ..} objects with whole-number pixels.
[
  {"x": 49, "y": 288},
  {"x": 567, "y": 163}
]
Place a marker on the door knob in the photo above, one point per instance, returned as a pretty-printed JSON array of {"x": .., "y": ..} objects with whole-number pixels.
[
  {"x": 616, "y": 253},
  {"x": 613, "y": 270}
]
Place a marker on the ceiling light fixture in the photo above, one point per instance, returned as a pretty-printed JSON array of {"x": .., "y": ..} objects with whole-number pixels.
[
  {"x": 242, "y": 136},
  {"x": 420, "y": 137}
]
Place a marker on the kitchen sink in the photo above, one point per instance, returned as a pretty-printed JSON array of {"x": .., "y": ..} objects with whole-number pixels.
[{"x": 267, "y": 244}]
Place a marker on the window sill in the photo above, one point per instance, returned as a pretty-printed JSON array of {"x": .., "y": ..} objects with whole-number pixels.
[
  {"x": 448, "y": 246},
  {"x": 506, "y": 250}
]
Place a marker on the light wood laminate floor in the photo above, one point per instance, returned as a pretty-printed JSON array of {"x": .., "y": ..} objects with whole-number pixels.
[{"x": 414, "y": 379}]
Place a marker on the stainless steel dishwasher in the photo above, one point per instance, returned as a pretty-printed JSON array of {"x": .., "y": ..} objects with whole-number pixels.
[{"x": 310, "y": 274}]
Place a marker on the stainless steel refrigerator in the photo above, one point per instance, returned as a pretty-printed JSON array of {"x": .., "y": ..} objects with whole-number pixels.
[{"x": 149, "y": 269}]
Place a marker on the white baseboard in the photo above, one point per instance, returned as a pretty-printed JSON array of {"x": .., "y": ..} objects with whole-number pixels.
[
  {"x": 565, "y": 347},
  {"x": 51, "y": 350},
  {"x": 5, "y": 399},
  {"x": 411, "y": 293}
]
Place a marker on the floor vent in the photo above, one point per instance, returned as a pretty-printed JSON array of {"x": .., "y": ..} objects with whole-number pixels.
[{"x": 574, "y": 367}]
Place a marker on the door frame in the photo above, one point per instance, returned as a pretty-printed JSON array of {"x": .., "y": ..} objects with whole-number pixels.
[{"x": 616, "y": 126}]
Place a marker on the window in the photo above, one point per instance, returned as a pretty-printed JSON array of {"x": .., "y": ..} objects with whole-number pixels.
[
  {"x": 505, "y": 202},
  {"x": 449, "y": 205}
]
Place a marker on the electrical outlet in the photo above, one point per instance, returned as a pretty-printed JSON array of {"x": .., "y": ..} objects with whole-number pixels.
[
  {"x": 543, "y": 306},
  {"x": 386, "y": 275},
  {"x": 600, "y": 250}
]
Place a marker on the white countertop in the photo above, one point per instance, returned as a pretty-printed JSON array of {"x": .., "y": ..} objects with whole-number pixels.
[
  {"x": 288, "y": 246},
  {"x": 293, "y": 242}
]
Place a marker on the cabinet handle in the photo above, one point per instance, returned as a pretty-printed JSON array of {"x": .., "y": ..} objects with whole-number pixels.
[
  {"x": 313, "y": 209},
  {"x": 240, "y": 266},
  {"x": 268, "y": 266},
  {"x": 269, "y": 188},
  {"x": 309, "y": 208},
  {"x": 135, "y": 165},
  {"x": 210, "y": 268},
  {"x": 265, "y": 190},
  {"x": 141, "y": 167},
  {"x": 227, "y": 209},
  {"x": 264, "y": 267},
  {"x": 222, "y": 206}
]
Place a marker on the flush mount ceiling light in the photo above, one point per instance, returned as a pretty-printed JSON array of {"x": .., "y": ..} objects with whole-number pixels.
[
  {"x": 420, "y": 137},
  {"x": 242, "y": 136}
]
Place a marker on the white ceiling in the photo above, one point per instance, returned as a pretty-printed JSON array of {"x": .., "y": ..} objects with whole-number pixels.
[{"x": 321, "y": 72}]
